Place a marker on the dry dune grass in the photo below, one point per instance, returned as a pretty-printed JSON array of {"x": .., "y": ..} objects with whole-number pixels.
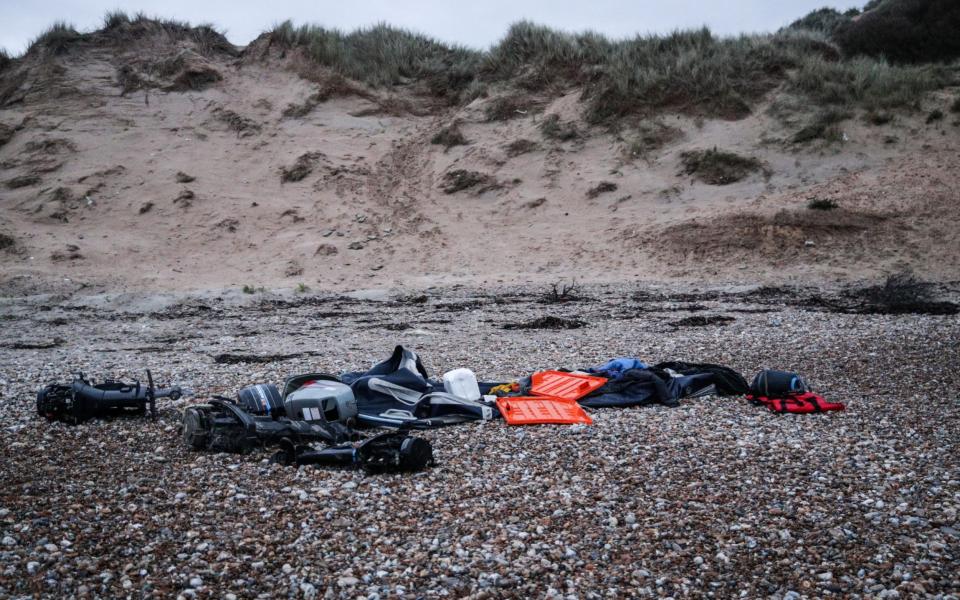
[
  {"x": 120, "y": 29},
  {"x": 690, "y": 71},
  {"x": 694, "y": 71},
  {"x": 511, "y": 106},
  {"x": 383, "y": 55}
]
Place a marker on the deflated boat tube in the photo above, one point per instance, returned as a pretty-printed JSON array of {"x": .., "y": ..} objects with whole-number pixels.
[{"x": 392, "y": 452}]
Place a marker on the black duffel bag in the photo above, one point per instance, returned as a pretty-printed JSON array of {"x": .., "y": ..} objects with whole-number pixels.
[{"x": 777, "y": 384}]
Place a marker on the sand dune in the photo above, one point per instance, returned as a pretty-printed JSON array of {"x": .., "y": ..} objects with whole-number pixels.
[{"x": 264, "y": 177}]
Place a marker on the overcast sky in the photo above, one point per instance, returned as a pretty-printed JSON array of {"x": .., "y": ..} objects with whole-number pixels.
[{"x": 479, "y": 23}]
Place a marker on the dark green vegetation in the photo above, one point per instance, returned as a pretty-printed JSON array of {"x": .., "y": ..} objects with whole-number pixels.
[
  {"x": 903, "y": 31},
  {"x": 718, "y": 167},
  {"x": 825, "y": 20}
]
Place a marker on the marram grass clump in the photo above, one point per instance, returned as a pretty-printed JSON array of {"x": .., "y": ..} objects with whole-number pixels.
[{"x": 692, "y": 72}]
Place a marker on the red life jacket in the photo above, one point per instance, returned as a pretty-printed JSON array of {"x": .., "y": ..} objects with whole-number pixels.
[{"x": 797, "y": 402}]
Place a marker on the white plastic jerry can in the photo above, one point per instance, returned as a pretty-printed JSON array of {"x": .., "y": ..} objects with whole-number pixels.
[{"x": 462, "y": 383}]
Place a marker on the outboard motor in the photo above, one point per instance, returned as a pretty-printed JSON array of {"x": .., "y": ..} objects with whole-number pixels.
[
  {"x": 319, "y": 397},
  {"x": 314, "y": 397},
  {"x": 82, "y": 399},
  {"x": 223, "y": 425},
  {"x": 261, "y": 399}
]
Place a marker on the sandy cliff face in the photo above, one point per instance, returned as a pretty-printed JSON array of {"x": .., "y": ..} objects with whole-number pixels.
[{"x": 151, "y": 165}]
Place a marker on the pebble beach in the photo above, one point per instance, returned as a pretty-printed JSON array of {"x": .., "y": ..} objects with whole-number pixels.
[{"x": 716, "y": 498}]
